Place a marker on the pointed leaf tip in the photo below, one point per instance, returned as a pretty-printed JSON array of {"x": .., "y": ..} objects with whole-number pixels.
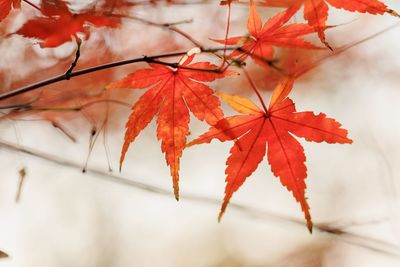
[
  {"x": 221, "y": 213},
  {"x": 282, "y": 90},
  {"x": 240, "y": 104},
  {"x": 254, "y": 23}
]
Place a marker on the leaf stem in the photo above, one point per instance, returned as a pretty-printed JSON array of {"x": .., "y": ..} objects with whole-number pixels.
[
  {"x": 228, "y": 24},
  {"x": 253, "y": 86}
]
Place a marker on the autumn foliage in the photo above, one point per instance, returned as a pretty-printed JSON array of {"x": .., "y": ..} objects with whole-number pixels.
[
  {"x": 170, "y": 92},
  {"x": 316, "y": 11},
  {"x": 273, "y": 126}
]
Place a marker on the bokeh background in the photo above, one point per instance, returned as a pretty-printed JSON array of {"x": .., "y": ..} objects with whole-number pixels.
[{"x": 65, "y": 217}]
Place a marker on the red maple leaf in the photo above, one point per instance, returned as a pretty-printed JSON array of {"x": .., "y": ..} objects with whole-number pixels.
[
  {"x": 316, "y": 11},
  {"x": 274, "y": 126},
  {"x": 6, "y": 5},
  {"x": 172, "y": 93},
  {"x": 59, "y": 25},
  {"x": 259, "y": 45}
]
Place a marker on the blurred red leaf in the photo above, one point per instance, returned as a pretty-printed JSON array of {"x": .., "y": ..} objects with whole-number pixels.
[
  {"x": 59, "y": 25},
  {"x": 6, "y": 5}
]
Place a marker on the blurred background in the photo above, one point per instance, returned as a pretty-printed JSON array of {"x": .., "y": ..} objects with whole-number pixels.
[{"x": 53, "y": 214}]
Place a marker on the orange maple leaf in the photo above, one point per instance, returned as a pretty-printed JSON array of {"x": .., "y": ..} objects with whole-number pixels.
[
  {"x": 274, "y": 126},
  {"x": 259, "y": 45},
  {"x": 6, "y": 5},
  {"x": 59, "y": 25},
  {"x": 316, "y": 11},
  {"x": 172, "y": 93}
]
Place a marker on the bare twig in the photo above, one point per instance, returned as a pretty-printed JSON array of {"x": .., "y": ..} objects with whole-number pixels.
[
  {"x": 22, "y": 175},
  {"x": 63, "y": 130},
  {"x": 77, "y": 56}
]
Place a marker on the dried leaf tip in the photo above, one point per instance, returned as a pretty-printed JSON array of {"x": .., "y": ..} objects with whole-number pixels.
[
  {"x": 220, "y": 216},
  {"x": 310, "y": 226}
]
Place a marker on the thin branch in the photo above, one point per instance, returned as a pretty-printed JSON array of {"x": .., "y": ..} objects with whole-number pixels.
[
  {"x": 105, "y": 140},
  {"x": 309, "y": 66},
  {"x": 18, "y": 106},
  {"x": 63, "y": 130},
  {"x": 82, "y": 107},
  {"x": 171, "y": 26},
  {"x": 77, "y": 56},
  {"x": 186, "y": 35},
  {"x": 338, "y": 234},
  {"x": 65, "y": 76},
  {"x": 22, "y": 175},
  {"x": 92, "y": 143}
]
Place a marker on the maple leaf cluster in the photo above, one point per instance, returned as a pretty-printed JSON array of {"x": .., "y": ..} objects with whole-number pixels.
[{"x": 173, "y": 91}]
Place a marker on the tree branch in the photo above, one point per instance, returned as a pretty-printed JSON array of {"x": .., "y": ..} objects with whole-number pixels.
[{"x": 67, "y": 76}]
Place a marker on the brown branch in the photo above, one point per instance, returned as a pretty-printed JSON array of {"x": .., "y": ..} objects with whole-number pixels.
[{"x": 65, "y": 76}]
